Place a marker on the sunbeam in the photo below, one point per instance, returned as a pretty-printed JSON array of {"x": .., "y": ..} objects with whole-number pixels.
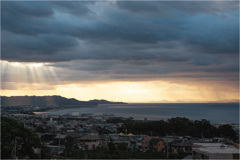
[{"x": 26, "y": 77}]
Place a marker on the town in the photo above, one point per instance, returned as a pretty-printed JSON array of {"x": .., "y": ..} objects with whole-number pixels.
[{"x": 105, "y": 136}]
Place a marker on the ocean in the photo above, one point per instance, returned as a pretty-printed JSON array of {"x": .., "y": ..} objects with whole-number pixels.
[{"x": 214, "y": 112}]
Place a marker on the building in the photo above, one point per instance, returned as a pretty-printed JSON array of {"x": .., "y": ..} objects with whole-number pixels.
[
  {"x": 145, "y": 143},
  {"x": 47, "y": 137},
  {"x": 184, "y": 147},
  {"x": 157, "y": 144},
  {"x": 63, "y": 140},
  {"x": 214, "y": 151},
  {"x": 90, "y": 142}
]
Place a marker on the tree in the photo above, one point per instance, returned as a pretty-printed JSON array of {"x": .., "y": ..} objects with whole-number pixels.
[
  {"x": 227, "y": 131},
  {"x": 14, "y": 133},
  {"x": 122, "y": 146},
  {"x": 204, "y": 129},
  {"x": 179, "y": 125},
  {"x": 111, "y": 147},
  {"x": 40, "y": 129}
]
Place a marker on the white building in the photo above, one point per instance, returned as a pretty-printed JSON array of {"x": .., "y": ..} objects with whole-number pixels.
[{"x": 214, "y": 151}]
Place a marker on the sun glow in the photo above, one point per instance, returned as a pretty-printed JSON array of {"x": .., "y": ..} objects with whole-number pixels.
[
  {"x": 15, "y": 64},
  {"x": 34, "y": 64},
  {"x": 29, "y": 64},
  {"x": 40, "y": 79},
  {"x": 19, "y": 64},
  {"x": 146, "y": 91}
]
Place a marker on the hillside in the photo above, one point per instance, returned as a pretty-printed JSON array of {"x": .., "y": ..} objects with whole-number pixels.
[
  {"x": 49, "y": 101},
  {"x": 41, "y": 101}
]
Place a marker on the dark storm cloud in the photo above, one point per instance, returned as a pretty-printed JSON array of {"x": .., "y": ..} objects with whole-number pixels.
[
  {"x": 93, "y": 70},
  {"x": 44, "y": 9},
  {"x": 123, "y": 38},
  {"x": 22, "y": 9},
  {"x": 171, "y": 8},
  {"x": 28, "y": 48},
  {"x": 135, "y": 67},
  {"x": 34, "y": 18},
  {"x": 44, "y": 23}
]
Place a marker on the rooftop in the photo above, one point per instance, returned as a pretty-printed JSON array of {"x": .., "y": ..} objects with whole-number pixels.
[
  {"x": 90, "y": 137},
  {"x": 215, "y": 148},
  {"x": 183, "y": 144},
  {"x": 60, "y": 136},
  {"x": 154, "y": 140}
]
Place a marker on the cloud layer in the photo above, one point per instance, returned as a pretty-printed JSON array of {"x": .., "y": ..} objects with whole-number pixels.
[{"x": 125, "y": 40}]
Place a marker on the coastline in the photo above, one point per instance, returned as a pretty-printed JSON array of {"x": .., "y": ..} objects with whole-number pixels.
[{"x": 63, "y": 108}]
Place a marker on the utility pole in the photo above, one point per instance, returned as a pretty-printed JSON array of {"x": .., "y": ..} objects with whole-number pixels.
[
  {"x": 167, "y": 144},
  {"x": 14, "y": 151},
  {"x": 15, "y": 148},
  {"x": 58, "y": 143},
  {"x": 40, "y": 152},
  {"x": 167, "y": 147},
  {"x": 85, "y": 156}
]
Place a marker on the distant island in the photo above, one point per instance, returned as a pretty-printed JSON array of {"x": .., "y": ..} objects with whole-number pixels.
[
  {"x": 50, "y": 101},
  {"x": 102, "y": 101}
]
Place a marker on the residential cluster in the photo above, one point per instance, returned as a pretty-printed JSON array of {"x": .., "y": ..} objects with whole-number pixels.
[{"x": 89, "y": 131}]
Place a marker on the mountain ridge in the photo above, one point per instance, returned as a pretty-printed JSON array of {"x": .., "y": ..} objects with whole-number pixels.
[{"x": 54, "y": 100}]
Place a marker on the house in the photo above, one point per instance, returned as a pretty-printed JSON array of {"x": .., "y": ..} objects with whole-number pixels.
[
  {"x": 90, "y": 142},
  {"x": 93, "y": 132},
  {"x": 88, "y": 126},
  {"x": 214, "y": 151},
  {"x": 182, "y": 147},
  {"x": 63, "y": 140},
  {"x": 74, "y": 134},
  {"x": 157, "y": 144},
  {"x": 59, "y": 126},
  {"x": 135, "y": 144},
  {"x": 122, "y": 140},
  {"x": 47, "y": 137},
  {"x": 114, "y": 136},
  {"x": 145, "y": 143},
  {"x": 137, "y": 140},
  {"x": 169, "y": 141}
]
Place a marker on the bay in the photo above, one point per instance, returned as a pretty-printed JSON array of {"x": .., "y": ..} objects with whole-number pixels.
[{"x": 214, "y": 112}]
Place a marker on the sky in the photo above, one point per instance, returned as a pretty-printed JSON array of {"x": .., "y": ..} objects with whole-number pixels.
[{"x": 131, "y": 51}]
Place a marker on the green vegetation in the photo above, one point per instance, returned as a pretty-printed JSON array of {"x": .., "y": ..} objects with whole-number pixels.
[
  {"x": 115, "y": 120},
  {"x": 40, "y": 129},
  {"x": 179, "y": 126},
  {"x": 13, "y": 133},
  {"x": 101, "y": 153},
  {"x": 226, "y": 131}
]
